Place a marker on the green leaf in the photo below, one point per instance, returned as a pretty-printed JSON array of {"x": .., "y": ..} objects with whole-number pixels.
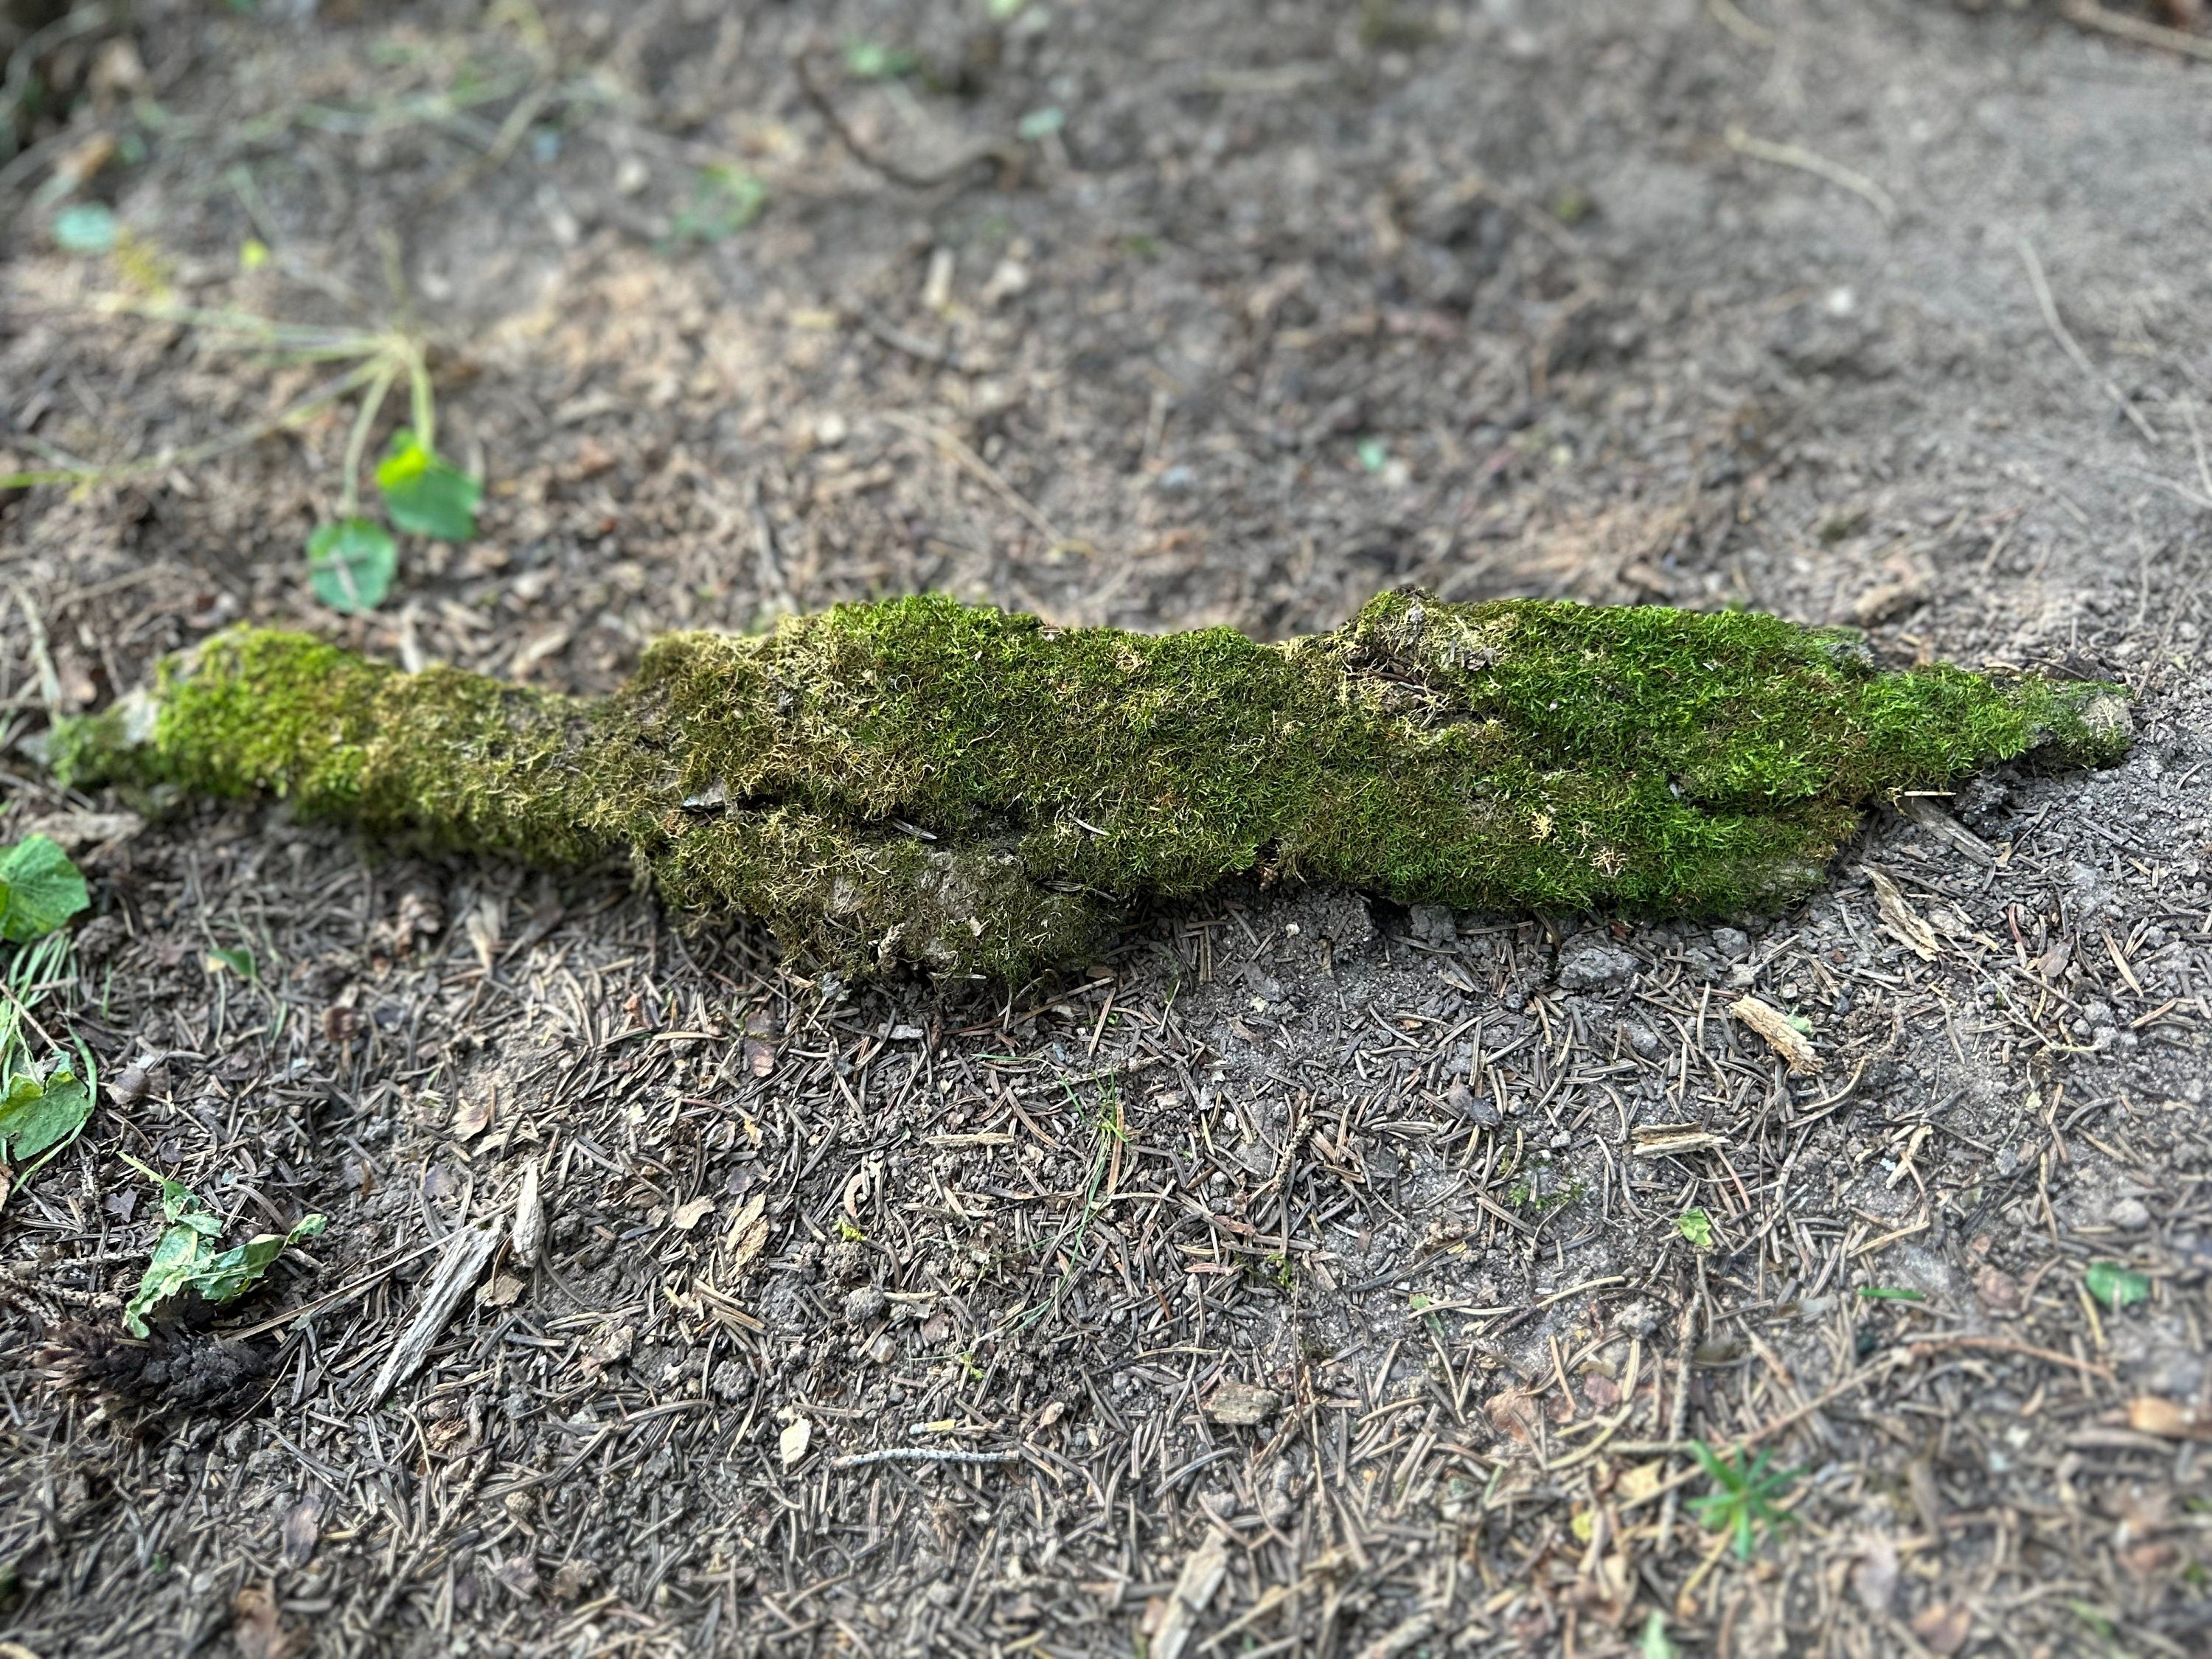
[
  {"x": 1374, "y": 455},
  {"x": 351, "y": 564},
  {"x": 1041, "y": 123},
  {"x": 239, "y": 962},
  {"x": 184, "y": 1258},
  {"x": 1890, "y": 1293},
  {"x": 1696, "y": 1226},
  {"x": 425, "y": 495},
  {"x": 37, "y": 1114},
  {"x": 725, "y": 199},
  {"x": 1655, "y": 1643},
  {"x": 871, "y": 60},
  {"x": 40, "y": 890},
  {"x": 2116, "y": 1286},
  {"x": 230, "y": 1274},
  {"x": 86, "y": 227}
]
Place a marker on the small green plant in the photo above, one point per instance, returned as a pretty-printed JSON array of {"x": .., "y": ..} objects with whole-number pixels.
[
  {"x": 1744, "y": 1498},
  {"x": 1656, "y": 1644},
  {"x": 2116, "y": 1286},
  {"x": 185, "y": 1256},
  {"x": 352, "y": 558},
  {"x": 1890, "y": 1293},
  {"x": 45, "y": 1102},
  {"x": 1696, "y": 1226},
  {"x": 40, "y": 888}
]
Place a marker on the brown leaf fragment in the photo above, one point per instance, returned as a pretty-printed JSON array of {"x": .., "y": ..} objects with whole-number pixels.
[
  {"x": 472, "y": 1117},
  {"x": 1943, "y": 1628},
  {"x": 301, "y": 1531},
  {"x": 1242, "y": 1404},
  {"x": 690, "y": 1214},
  {"x": 1783, "y": 1036},
  {"x": 1875, "y": 1576},
  {"x": 257, "y": 1631},
  {"x": 503, "y": 1290},
  {"x": 1514, "y": 1412},
  {"x": 1998, "y": 1289}
]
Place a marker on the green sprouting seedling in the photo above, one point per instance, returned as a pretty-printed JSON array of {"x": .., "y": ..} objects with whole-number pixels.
[
  {"x": 43, "y": 1102},
  {"x": 1656, "y": 1644},
  {"x": 185, "y": 1256},
  {"x": 352, "y": 558},
  {"x": 40, "y": 888},
  {"x": 1696, "y": 1226},
  {"x": 2116, "y": 1286},
  {"x": 1745, "y": 1495},
  {"x": 975, "y": 792}
]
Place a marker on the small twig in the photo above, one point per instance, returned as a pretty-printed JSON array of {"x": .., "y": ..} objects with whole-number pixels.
[
  {"x": 1796, "y": 156},
  {"x": 2073, "y": 347},
  {"x": 867, "y": 158},
  {"x": 923, "y": 1455},
  {"x": 2088, "y": 14}
]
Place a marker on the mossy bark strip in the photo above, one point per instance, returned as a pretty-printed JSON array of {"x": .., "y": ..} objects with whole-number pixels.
[{"x": 972, "y": 790}]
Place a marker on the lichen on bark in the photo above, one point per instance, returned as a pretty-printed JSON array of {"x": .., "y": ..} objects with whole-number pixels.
[{"x": 975, "y": 791}]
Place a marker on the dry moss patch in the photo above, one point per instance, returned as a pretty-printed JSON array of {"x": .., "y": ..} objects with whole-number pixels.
[{"x": 970, "y": 790}]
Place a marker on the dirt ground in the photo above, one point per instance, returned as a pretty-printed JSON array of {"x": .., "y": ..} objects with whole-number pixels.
[{"x": 1309, "y": 1276}]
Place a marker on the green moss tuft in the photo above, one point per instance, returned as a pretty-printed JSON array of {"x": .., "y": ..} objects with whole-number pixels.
[{"x": 973, "y": 791}]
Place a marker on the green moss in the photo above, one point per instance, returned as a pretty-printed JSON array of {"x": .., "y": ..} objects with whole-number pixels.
[{"x": 972, "y": 790}]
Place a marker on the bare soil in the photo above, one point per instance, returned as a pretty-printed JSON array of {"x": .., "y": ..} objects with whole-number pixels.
[{"x": 1308, "y": 1277}]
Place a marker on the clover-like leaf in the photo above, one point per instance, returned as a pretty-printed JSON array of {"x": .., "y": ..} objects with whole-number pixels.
[
  {"x": 2116, "y": 1286},
  {"x": 351, "y": 564},
  {"x": 39, "y": 1113},
  {"x": 40, "y": 890},
  {"x": 426, "y": 495}
]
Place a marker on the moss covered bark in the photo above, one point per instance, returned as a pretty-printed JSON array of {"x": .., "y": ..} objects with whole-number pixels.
[{"x": 974, "y": 791}]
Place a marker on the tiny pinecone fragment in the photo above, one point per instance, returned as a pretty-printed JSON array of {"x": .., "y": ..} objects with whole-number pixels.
[{"x": 975, "y": 792}]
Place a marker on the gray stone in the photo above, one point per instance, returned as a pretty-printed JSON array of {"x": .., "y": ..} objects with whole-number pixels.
[{"x": 1591, "y": 964}]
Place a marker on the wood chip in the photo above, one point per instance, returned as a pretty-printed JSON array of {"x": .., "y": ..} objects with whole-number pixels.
[
  {"x": 1242, "y": 1404},
  {"x": 1203, "y": 1570},
  {"x": 1786, "y": 1040},
  {"x": 792, "y": 1442},
  {"x": 466, "y": 1253},
  {"x": 1930, "y": 816},
  {"x": 528, "y": 1237},
  {"x": 1900, "y": 920}
]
